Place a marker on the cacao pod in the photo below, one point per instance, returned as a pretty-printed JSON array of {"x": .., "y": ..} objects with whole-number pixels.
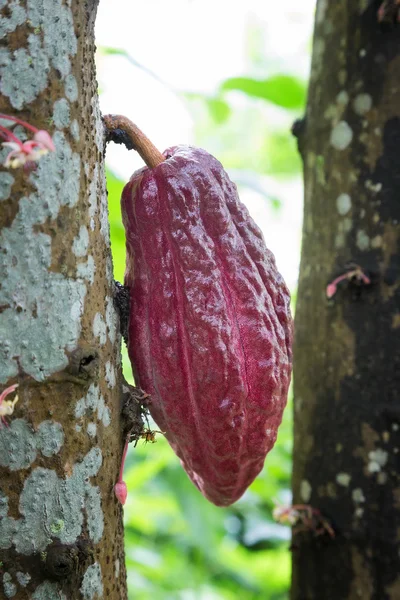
[{"x": 210, "y": 330}]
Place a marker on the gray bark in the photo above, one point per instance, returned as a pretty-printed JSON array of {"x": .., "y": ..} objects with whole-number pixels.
[
  {"x": 347, "y": 351},
  {"x": 61, "y": 533}
]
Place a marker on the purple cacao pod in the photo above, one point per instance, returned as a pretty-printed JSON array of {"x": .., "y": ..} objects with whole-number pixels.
[{"x": 210, "y": 330}]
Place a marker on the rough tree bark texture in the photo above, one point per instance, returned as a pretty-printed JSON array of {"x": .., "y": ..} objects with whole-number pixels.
[
  {"x": 61, "y": 532},
  {"x": 347, "y": 354}
]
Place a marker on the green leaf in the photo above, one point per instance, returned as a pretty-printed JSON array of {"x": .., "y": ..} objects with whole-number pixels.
[
  {"x": 218, "y": 109},
  {"x": 280, "y": 154},
  {"x": 282, "y": 90},
  {"x": 109, "y": 50}
]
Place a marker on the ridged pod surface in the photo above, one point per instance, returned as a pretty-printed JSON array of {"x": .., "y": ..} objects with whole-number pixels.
[{"x": 210, "y": 330}]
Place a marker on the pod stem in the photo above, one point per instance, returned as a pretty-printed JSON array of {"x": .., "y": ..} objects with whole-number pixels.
[{"x": 121, "y": 130}]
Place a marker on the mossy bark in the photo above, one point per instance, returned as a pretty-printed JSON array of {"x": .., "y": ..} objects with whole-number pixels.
[
  {"x": 61, "y": 533},
  {"x": 347, "y": 350}
]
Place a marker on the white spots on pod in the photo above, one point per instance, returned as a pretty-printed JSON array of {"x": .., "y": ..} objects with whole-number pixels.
[
  {"x": 341, "y": 135},
  {"x": 377, "y": 459},
  {"x": 99, "y": 328},
  {"x": 305, "y": 490},
  {"x": 343, "y": 479},
  {"x": 226, "y": 403},
  {"x": 362, "y": 104},
  {"x": 362, "y": 240},
  {"x": 81, "y": 242},
  {"x": 343, "y": 203},
  {"x": 110, "y": 375},
  {"x": 362, "y": 53}
]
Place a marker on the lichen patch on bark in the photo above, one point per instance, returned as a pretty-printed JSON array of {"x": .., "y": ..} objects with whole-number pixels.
[{"x": 51, "y": 507}]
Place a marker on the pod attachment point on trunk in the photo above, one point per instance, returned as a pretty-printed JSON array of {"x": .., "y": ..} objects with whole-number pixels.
[{"x": 121, "y": 130}]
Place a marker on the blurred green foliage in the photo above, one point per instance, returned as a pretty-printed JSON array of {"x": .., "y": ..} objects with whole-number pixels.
[
  {"x": 282, "y": 90},
  {"x": 178, "y": 545}
]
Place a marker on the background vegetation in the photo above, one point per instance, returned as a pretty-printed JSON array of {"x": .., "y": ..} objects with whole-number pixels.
[{"x": 179, "y": 546}]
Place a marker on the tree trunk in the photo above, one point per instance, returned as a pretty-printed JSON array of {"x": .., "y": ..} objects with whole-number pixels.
[
  {"x": 347, "y": 350},
  {"x": 61, "y": 534}
]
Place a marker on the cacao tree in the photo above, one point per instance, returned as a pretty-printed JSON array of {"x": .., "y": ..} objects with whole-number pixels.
[
  {"x": 347, "y": 351},
  {"x": 62, "y": 433},
  {"x": 61, "y": 531}
]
